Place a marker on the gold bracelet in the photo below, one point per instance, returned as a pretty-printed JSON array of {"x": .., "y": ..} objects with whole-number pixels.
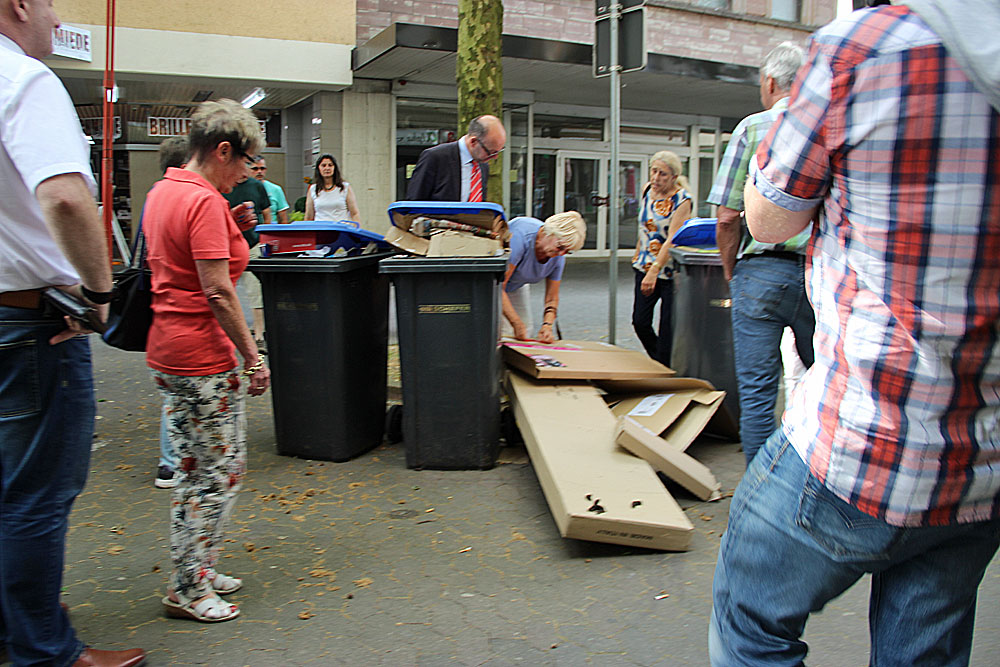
[{"x": 256, "y": 367}]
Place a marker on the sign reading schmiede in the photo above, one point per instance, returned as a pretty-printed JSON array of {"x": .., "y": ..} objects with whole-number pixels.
[{"x": 71, "y": 42}]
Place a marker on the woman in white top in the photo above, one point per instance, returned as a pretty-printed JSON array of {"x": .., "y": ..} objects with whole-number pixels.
[{"x": 330, "y": 197}]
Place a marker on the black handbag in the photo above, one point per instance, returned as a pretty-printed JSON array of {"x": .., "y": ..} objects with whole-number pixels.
[{"x": 131, "y": 311}]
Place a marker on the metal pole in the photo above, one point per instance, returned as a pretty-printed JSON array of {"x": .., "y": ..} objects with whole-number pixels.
[{"x": 616, "y": 72}]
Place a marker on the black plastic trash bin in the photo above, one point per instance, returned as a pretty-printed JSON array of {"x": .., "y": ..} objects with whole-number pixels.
[
  {"x": 703, "y": 328},
  {"x": 447, "y": 317},
  {"x": 327, "y": 332}
]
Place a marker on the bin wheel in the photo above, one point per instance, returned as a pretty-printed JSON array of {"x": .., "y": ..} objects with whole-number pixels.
[
  {"x": 394, "y": 424},
  {"x": 509, "y": 430}
]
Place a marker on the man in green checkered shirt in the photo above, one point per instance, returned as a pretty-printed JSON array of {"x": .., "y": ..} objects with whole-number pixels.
[{"x": 766, "y": 281}]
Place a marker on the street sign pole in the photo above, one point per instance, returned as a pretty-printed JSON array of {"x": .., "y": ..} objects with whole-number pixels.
[
  {"x": 620, "y": 23},
  {"x": 613, "y": 205}
]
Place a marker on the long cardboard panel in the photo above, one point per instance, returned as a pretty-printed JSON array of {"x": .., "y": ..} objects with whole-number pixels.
[
  {"x": 580, "y": 360},
  {"x": 595, "y": 490},
  {"x": 675, "y": 464}
]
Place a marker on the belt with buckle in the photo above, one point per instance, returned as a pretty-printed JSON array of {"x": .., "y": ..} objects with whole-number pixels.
[{"x": 26, "y": 298}]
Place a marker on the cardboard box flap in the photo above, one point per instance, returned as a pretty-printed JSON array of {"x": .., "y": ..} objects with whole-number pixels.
[
  {"x": 577, "y": 360},
  {"x": 694, "y": 421},
  {"x": 675, "y": 464},
  {"x": 654, "y": 411},
  {"x": 595, "y": 490},
  {"x": 461, "y": 244},
  {"x": 679, "y": 416},
  {"x": 635, "y": 386},
  {"x": 406, "y": 241}
]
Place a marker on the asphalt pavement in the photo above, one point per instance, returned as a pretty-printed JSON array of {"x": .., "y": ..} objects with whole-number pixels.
[{"x": 370, "y": 563}]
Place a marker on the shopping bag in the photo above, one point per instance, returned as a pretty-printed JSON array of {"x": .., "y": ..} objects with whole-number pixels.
[{"x": 131, "y": 310}]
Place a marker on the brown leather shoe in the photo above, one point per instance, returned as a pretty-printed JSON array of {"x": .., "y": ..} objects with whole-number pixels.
[{"x": 93, "y": 657}]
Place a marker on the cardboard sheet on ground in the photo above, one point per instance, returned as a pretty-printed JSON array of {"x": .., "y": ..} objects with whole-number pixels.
[
  {"x": 595, "y": 490},
  {"x": 580, "y": 360}
]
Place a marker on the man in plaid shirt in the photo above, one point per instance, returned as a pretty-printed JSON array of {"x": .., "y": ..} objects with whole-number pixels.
[
  {"x": 888, "y": 461},
  {"x": 766, "y": 280}
]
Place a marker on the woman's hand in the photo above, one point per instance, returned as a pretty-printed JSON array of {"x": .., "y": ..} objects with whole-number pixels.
[
  {"x": 520, "y": 331},
  {"x": 244, "y": 216},
  {"x": 545, "y": 334},
  {"x": 260, "y": 380},
  {"x": 648, "y": 284}
]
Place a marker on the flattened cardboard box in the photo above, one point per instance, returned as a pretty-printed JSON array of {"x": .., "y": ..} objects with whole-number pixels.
[
  {"x": 713, "y": 418},
  {"x": 483, "y": 220},
  {"x": 580, "y": 360},
  {"x": 594, "y": 489},
  {"x": 676, "y": 413},
  {"x": 672, "y": 462},
  {"x": 443, "y": 244}
]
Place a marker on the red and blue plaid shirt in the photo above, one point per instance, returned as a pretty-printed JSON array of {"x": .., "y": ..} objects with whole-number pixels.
[{"x": 900, "y": 415}]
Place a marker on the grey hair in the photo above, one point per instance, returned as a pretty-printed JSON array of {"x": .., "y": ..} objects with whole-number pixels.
[
  {"x": 782, "y": 63},
  {"x": 225, "y": 120},
  {"x": 568, "y": 228}
]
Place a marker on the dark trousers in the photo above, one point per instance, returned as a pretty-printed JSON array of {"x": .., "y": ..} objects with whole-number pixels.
[{"x": 657, "y": 344}]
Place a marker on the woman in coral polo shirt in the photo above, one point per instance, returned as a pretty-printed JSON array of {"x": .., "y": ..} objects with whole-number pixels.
[{"x": 196, "y": 254}]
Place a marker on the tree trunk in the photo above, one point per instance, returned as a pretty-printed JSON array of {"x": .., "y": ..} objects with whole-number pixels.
[{"x": 479, "y": 72}]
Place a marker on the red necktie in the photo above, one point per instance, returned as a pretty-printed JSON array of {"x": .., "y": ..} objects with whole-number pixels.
[{"x": 476, "y": 183}]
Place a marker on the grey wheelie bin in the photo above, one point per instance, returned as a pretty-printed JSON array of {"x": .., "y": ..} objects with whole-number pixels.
[
  {"x": 703, "y": 328},
  {"x": 447, "y": 315},
  {"x": 327, "y": 334}
]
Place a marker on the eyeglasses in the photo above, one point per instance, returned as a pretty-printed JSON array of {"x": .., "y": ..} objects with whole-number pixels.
[
  {"x": 489, "y": 154},
  {"x": 258, "y": 168}
]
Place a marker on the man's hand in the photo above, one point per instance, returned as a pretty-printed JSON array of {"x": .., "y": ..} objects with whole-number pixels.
[{"x": 75, "y": 327}]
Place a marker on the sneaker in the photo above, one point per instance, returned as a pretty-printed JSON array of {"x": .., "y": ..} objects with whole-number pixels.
[{"x": 166, "y": 478}]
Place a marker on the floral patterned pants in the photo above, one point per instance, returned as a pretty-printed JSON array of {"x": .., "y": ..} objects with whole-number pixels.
[{"x": 206, "y": 425}]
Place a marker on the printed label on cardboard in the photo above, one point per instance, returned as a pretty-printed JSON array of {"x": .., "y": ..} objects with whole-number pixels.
[{"x": 648, "y": 406}]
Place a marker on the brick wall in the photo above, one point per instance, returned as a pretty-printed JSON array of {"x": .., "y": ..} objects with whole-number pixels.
[{"x": 670, "y": 31}]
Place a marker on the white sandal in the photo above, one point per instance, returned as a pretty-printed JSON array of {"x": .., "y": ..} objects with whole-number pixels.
[
  {"x": 211, "y": 609},
  {"x": 223, "y": 584}
]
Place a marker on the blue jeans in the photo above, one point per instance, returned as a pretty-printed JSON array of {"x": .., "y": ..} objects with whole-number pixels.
[
  {"x": 792, "y": 546},
  {"x": 47, "y": 412},
  {"x": 768, "y": 294},
  {"x": 657, "y": 344}
]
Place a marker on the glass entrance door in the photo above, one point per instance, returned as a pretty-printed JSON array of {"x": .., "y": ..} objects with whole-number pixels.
[{"x": 581, "y": 177}]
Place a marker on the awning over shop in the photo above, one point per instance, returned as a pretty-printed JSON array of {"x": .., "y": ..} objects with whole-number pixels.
[{"x": 562, "y": 72}]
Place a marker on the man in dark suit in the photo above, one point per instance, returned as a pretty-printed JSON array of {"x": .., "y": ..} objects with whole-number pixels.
[{"x": 458, "y": 171}]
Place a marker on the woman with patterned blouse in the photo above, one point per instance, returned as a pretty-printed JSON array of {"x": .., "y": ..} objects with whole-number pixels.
[{"x": 666, "y": 204}]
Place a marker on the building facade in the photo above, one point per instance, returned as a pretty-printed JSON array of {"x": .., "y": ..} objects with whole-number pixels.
[{"x": 373, "y": 83}]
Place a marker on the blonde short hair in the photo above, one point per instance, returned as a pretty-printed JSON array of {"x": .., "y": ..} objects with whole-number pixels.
[
  {"x": 568, "y": 228},
  {"x": 225, "y": 120}
]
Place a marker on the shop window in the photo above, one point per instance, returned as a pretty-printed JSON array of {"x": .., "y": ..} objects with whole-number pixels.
[
  {"x": 712, "y": 4},
  {"x": 569, "y": 127},
  {"x": 785, "y": 10}
]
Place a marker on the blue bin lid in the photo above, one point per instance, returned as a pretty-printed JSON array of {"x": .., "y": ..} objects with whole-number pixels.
[
  {"x": 696, "y": 232},
  {"x": 432, "y": 208},
  {"x": 346, "y": 227}
]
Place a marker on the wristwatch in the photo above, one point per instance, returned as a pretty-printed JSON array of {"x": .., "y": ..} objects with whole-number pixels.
[{"x": 97, "y": 297}]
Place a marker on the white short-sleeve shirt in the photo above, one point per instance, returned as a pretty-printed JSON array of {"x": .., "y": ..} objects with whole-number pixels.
[{"x": 40, "y": 137}]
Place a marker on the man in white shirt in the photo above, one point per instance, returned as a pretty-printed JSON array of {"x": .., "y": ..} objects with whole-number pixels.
[{"x": 50, "y": 236}]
